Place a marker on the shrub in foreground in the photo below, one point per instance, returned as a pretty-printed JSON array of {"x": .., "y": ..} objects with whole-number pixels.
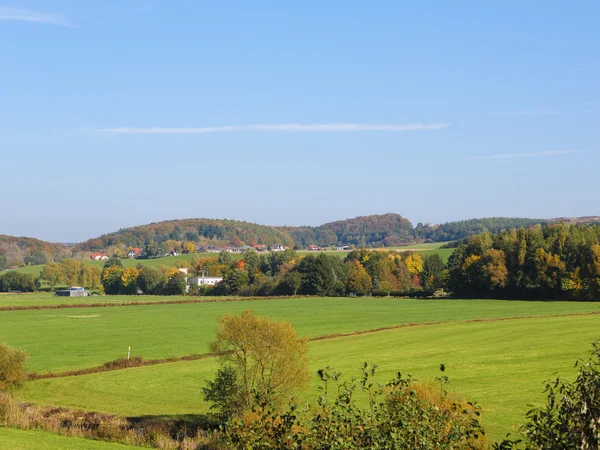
[
  {"x": 399, "y": 415},
  {"x": 12, "y": 368}
]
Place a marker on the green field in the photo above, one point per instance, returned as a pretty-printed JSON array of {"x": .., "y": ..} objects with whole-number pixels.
[
  {"x": 48, "y": 299},
  {"x": 84, "y": 337},
  {"x": 501, "y": 364},
  {"x": 12, "y": 439}
]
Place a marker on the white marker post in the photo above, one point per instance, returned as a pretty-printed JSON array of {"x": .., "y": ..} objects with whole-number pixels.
[{"x": 129, "y": 352}]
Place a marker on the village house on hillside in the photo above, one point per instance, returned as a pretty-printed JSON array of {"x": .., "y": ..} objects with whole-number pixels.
[
  {"x": 313, "y": 248},
  {"x": 278, "y": 248},
  {"x": 134, "y": 252},
  {"x": 261, "y": 247},
  {"x": 98, "y": 256}
]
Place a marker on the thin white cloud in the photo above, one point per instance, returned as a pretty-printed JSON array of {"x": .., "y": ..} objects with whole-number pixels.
[
  {"x": 288, "y": 127},
  {"x": 23, "y": 15},
  {"x": 535, "y": 112},
  {"x": 526, "y": 155}
]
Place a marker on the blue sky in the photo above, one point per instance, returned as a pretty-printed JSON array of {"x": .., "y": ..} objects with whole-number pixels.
[{"x": 114, "y": 114}]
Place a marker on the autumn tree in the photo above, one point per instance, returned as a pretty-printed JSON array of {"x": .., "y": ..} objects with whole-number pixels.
[
  {"x": 359, "y": 281},
  {"x": 12, "y": 368},
  {"x": 129, "y": 281},
  {"x": 52, "y": 273},
  {"x": 269, "y": 357},
  {"x": 111, "y": 280},
  {"x": 414, "y": 263},
  {"x": 494, "y": 267},
  {"x": 71, "y": 269},
  {"x": 90, "y": 276}
]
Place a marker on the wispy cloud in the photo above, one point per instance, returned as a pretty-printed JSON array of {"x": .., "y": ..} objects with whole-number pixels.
[
  {"x": 526, "y": 155},
  {"x": 287, "y": 127},
  {"x": 533, "y": 112},
  {"x": 23, "y": 15}
]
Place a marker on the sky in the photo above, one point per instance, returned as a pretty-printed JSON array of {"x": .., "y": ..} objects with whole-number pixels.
[{"x": 115, "y": 114}]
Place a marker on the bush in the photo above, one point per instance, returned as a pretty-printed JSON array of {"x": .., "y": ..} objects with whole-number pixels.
[
  {"x": 12, "y": 368},
  {"x": 571, "y": 417},
  {"x": 401, "y": 415},
  {"x": 16, "y": 281}
]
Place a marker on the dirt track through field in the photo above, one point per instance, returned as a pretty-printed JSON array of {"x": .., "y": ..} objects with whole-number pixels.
[{"x": 140, "y": 362}]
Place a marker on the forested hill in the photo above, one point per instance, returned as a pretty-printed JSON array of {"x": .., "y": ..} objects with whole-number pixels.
[
  {"x": 20, "y": 251},
  {"x": 385, "y": 230},
  {"x": 192, "y": 230}
]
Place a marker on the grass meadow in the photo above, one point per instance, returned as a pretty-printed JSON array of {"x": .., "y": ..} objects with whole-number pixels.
[
  {"x": 75, "y": 338},
  {"x": 13, "y": 439},
  {"x": 502, "y": 365},
  {"x": 499, "y": 363}
]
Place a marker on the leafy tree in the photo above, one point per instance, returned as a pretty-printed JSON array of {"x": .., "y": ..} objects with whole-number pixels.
[
  {"x": 414, "y": 263},
  {"x": 16, "y": 281},
  {"x": 224, "y": 257},
  {"x": 52, "y": 273},
  {"x": 111, "y": 280},
  {"x": 151, "y": 249},
  {"x": 12, "y": 368},
  {"x": 129, "y": 281},
  {"x": 269, "y": 357},
  {"x": 71, "y": 271},
  {"x": 224, "y": 392},
  {"x": 176, "y": 284},
  {"x": 433, "y": 269},
  {"x": 151, "y": 280},
  {"x": 235, "y": 281},
  {"x": 359, "y": 281},
  {"x": 113, "y": 262},
  {"x": 494, "y": 268},
  {"x": 90, "y": 275},
  {"x": 290, "y": 283}
]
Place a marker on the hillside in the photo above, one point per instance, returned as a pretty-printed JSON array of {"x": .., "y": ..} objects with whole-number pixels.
[
  {"x": 191, "y": 230},
  {"x": 19, "y": 251},
  {"x": 384, "y": 230}
]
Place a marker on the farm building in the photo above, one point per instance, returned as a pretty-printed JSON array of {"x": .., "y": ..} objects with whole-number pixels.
[
  {"x": 98, "y": 256},
  {"x": 134, "y": 252},
  {"x": 314, "y": 247},
  {"x": 201, "y": 281},
  {"x": 75, "y": 291},
  {"x": 278, "y": 248}
]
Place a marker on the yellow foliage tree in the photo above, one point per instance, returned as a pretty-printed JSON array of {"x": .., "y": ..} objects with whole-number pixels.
[
  {"x": 414, "y": 263},
  {"x": 129, "y": 276},
  {"x": 269, "y": 356},
  {"x": 469, "y": 261},
  {"x": 190, "y": 247}
]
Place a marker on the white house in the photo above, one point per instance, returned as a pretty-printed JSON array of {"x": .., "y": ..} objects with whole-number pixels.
[
  {"x": 278, "y": 248},
  {"x": 201, "y": 281}
]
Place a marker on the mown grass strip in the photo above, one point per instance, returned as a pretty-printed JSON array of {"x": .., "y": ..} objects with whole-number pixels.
[{"x": 138, "y": 361}]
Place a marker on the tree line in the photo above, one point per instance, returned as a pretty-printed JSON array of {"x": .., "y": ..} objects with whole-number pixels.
[{"x": 549, "y": 262}]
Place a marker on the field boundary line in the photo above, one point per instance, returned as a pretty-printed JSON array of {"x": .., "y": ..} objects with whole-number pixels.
[
  {"x": 143, "y": 303},
  {"x": 135, "y": 362}
]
